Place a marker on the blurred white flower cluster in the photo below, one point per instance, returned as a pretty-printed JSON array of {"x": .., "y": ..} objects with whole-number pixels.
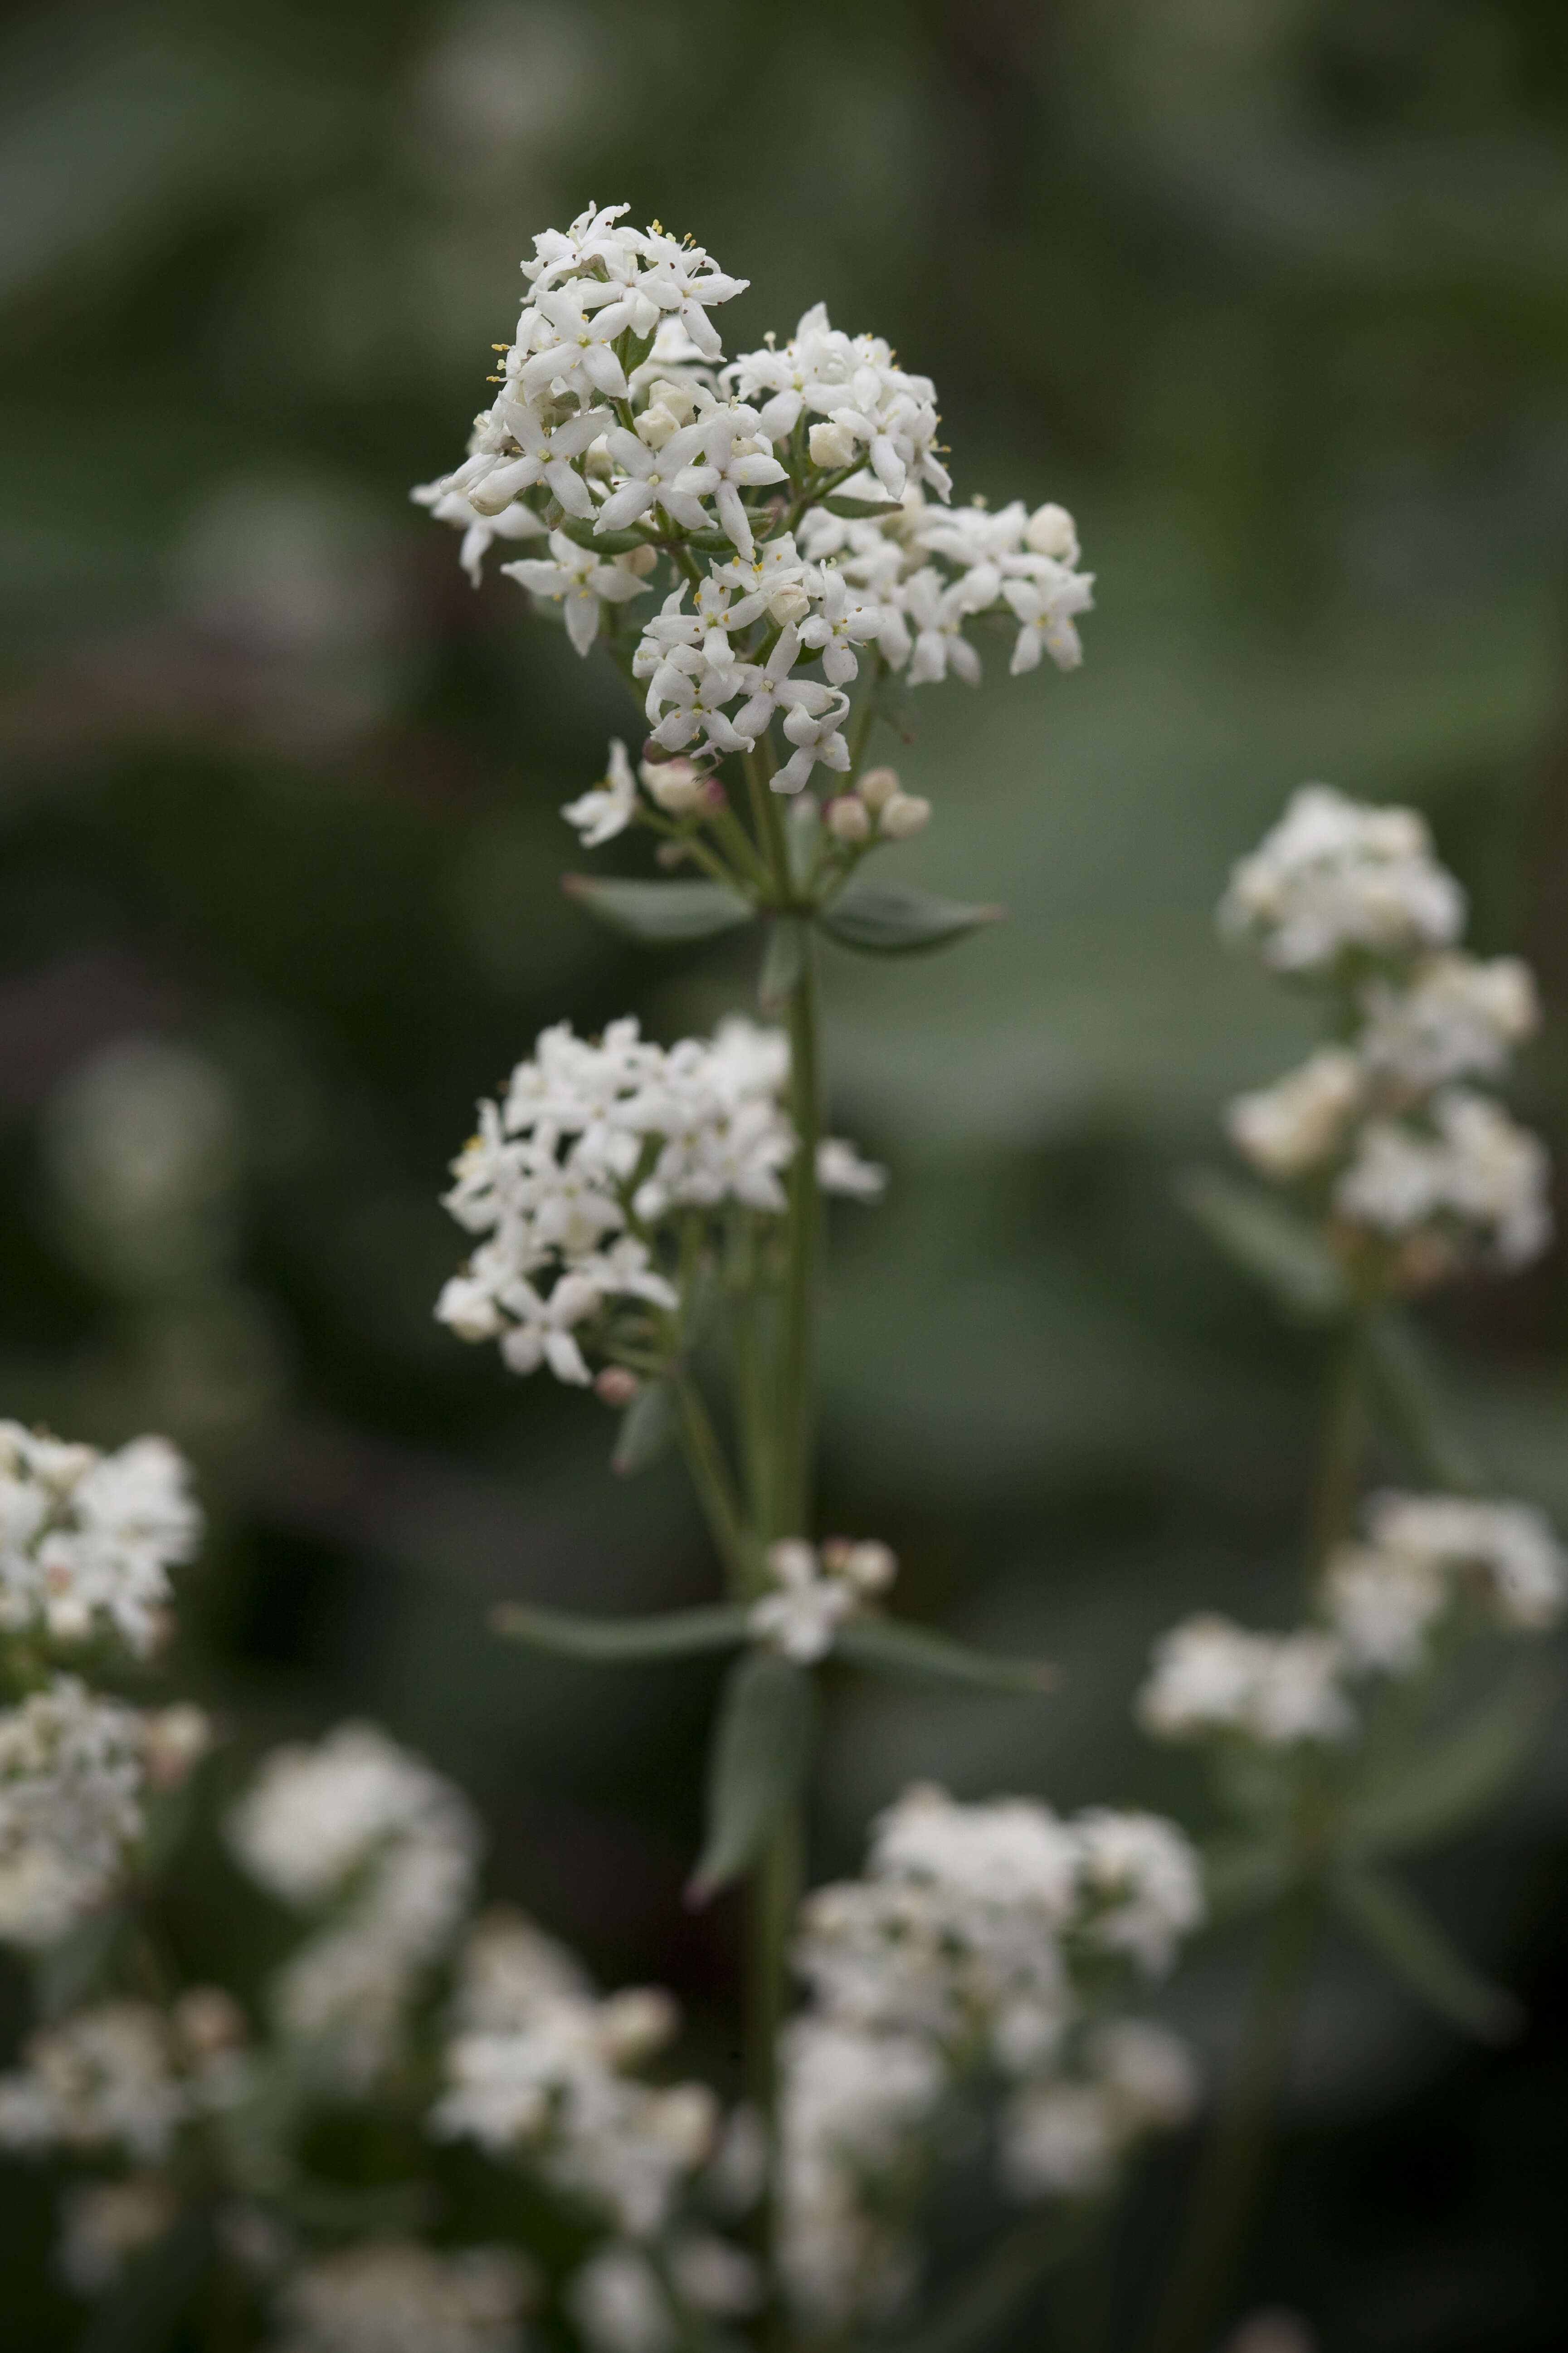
[
  {"x": 121, "y": 2078},
  {"x": 619, "y": 436},
  {"x": 1388, "y": 1129},
  {"x": 382, "y": 1852},
  {"x": 1383, "y": 1604},
  {"x": 393, "y": 2295},
  {"x": 597, "y": 1146},
  {"x": 816, "y": 1589},
  {"x": 87, "y": 1540},
  {"x": 980, "y": 1940}
]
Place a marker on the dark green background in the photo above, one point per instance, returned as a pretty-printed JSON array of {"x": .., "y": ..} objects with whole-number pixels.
[{"x": 1272, "y": 294}]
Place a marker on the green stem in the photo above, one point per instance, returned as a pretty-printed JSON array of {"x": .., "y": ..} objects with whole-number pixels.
[
  {"x": 797, "y": 1414},
  {"x": 773, "y": 1898},
  {"x": 1232, "y": 2169},
  {"x": 715, "y": 1488},
  {"x": 1341, "y": 1448}
]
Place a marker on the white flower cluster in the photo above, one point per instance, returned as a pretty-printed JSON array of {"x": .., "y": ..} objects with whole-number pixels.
[
  {"x": 622, "y": 2304},
  {"x": 121, "y": 2078},
  {"x": 392, "y": 2296},
  {"x": 104, "y": 2225},
  {"x": 596, "y": 1145},
  {"x": 815, "y": 1591},
  {"x": 1386, "y": 1125},
  {"x": 973, "y": 1941},
  {"x": 73, "y": 1772},
  {"x": 537, "y": 2068},
  {"x": 87, "y": 1540},
  {"x": 614, "y": 417},
  {"x": 366, "y": 1837},
  {"x": 1383, "y": 1600}
]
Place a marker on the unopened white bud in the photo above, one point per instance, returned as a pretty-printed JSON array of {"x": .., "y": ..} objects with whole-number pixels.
[
  {"x": 905, "y": 814},
  {"x": 878, "y": 786},
  {"x": 639, "y": 561},
  {"x": 832, "y": 445},
  {"x": 636, "y": 2023},
  {"x": 656, "y": 426},
  {"x": 175, "y": 1739},
  {"x": 675, "y": 785},
  {"x": 848, "y": 818},
  {"x": 868, "y": 1565},
  {"x": 597, "y": 463},
  {"x": 207, "y": 2021},
  {"x": 789, "y": 604},
  {"x": 1051, "y": 530},
  {"x": 678, "y": 399},
  {"x": 617, "y": 1385}
]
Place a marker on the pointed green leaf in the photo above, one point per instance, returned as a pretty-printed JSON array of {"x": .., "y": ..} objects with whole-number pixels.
[
  {"x": 881, "y": 918},
  {"x": 861, "y": 510},
  {"x": 1406, "y": 1380},
  {"x": 1452, "y": 1780},
  {"x": 621, "y": 1641},
  {"x": 603, "y": 542},
  {"x": 781, "y": 962},
  {"x": 662, "y": 913},
  {"x": 648, "y": 1429},
  {"x": 1413, "y": 1948},
  {"x": 889, "y": 1646},
  {"x": 757, "y": 1765},
  {"x": 1268, "y": 1240}
]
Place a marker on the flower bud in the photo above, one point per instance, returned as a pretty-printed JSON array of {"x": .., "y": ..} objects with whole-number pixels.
[
  {"x": 848, "y": 818},
  {"x": 207, "y": 2021},
  {"x": 675, "y": 785},
  {"x": 638, "y": 560},
  {"x": 636, "y": 2022},
  {"x": 175, "y": 1739},
  {"x": 1051, "y": 530},
  {"x": 869, "y": 1567},
  {"x": 678, "y": 399},
  {"x": 670, "y": 855},
  {"x": 597, "y": 461},
  {"x": 905, "y": 814},
  {"x": 832, "y": 445},
  {"x": 877, "y": 786},
  {"x": 789, "y": 604},
  {"x": 656, "y": 426},
  {"x": 714, "y": 797},
  {"x": 617, "y": 1384}
]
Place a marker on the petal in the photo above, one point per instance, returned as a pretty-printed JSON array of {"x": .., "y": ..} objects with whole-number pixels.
[{"x": 583, "y": 619}]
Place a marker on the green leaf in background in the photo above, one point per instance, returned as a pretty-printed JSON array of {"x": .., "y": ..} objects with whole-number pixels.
[
  {"x": 1243, "y": 1875},
  {"x": 861, "y": 510},
  {"x": 757, "y": 1766},
  {"x": 888, "y": 1646},
  {"x": 781, "y": 961},
  {"x": 1405, "y": 1378},
  {"x": 606, "y": 542},
  {"x": 1450, "y": 1780},
  {"x": 145, "y": 2310},
  {"x": 1272, "y": 1243},
  {"x": 659, "y": 913},
  {"x": 1413, "y": 1948},
  {"x": 648, "y": 1429},
  {"x": 621, "y": 1641},
  {"x": 803, "y": 836},
  {"x": 885, "y": 919}
]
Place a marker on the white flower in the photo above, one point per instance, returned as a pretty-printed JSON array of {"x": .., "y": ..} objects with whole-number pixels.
[
  {"x": 1382, "y": 1604},
  {"x": 608, "y": 809},
  {"x": 731, "y": 461},
  {"x": 1335, "y": 875},
  {"x": 390, "y": 2296},
  {"x": 1457, "y": 1018},
  {"x": 1300, "y": 1121},
  {"x": 71, "y": 1787},
  {"x": 103, "y": 2080},
  {"x": 1142, "y": 1876},
  {"x": 87, "y": 1540},
  {"x": 841, "y": 621},
  {"x": 647, "y": 478},
  {"x": 1046, "y": 609},
  {"x": 817, "y": 739},
  {"x": 840, "y": 1169},
  {"x": 105, "y": 2223},
  {"x": 491, "y": 478},
  {"x": 937, "y": 613},
  {"x": 1512, "y": 1545},
  {"x": 1472, "y": 1166},
  {"x": 815, "y": 1593},
  {"x": 581, "y": 581},
  {"x": 515, "y": 521},
  {"x": 574, "y": 347},
  {"x": 617, "y": 2302},
  {"x": 1209, "y": 1675}
]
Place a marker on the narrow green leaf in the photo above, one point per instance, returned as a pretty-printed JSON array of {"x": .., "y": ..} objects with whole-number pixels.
[
  {"x": 621, "y": 1641},
  {"x": 648, "y": 1429},
  {"x": 1242, "y": 1875},
  {"x": 783, "y": 960},
  {"x": 879, "y": 918},
  {"x": 1279, "y": 1249},
  {"x": 709, "y": 543},
  {"x": 889, "y": 1646},
  {"x": 1413, "y": 1948},
  {"x": 1406, "y": 1380},
  {"x": 757, "y": 1765},
  {"x": 660, "y": 912},
  {"x": 1450, "y": 1780},
  {"x": 861, "y": 510},
  {"x": 603, "y": 542},
  {"x": 803, "y": 834}
]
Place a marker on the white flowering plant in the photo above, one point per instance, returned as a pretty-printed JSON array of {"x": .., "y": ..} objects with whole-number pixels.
[{"x": 646, "y": 1225}]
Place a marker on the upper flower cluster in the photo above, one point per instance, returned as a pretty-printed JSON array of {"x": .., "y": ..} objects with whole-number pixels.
[
  {"x": 787, "y": 489},
  {"x": 1418, "y": 1169},
  {"x": 87, "y": 1540},
  {"x": 979, "y": 1934},
  {"x": 1382, "y": 1605},
  {"x": 814, "y": 1590},
  {"x": 596, "y": 1145}
]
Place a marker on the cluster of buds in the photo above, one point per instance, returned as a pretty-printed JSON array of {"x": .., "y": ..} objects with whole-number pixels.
[{"x": 876, "y": 809}]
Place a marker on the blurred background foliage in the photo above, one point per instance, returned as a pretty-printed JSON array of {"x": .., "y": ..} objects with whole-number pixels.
[{"x": 1270, "y": 293}]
